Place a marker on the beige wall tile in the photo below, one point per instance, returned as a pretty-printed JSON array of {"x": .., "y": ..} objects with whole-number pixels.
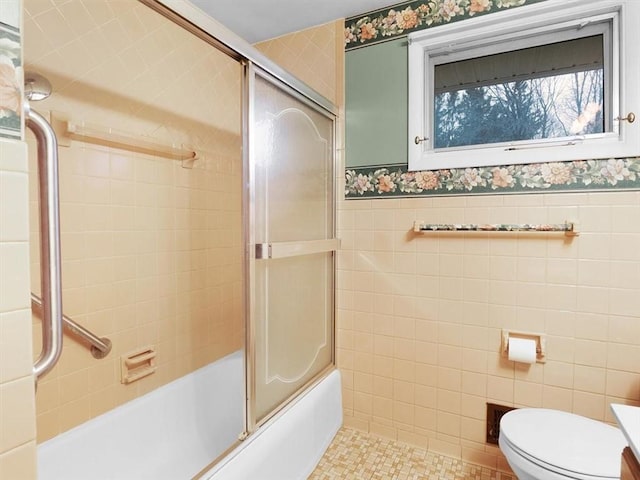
[
  {"x": 19, "y": 463},
  {"x": 444, "y": 447},
  {"x": 474, "y": 384},
  {"x": 17, "y": 425},
  {"x": 449, "y": 379},
  {"x": 426, "y": 418},
  {"x": 560, "y": 349},
  {"x": 559, "y": 374},
  {"x": 404, "y": 370},
  {"x": 15, "y": 351},
  {"x": 448, "y": 401},
  {"x": 589, "y": 379},
  {"x": 557, "y": 398},
  {"x": 590, "y": 405},
  {"x": 145, "y": 241},
  {"x": 14, "y": 278},
  {"x": 591, "y": 326},
  {"x": 581, "y": 294},
  {"x": 17, "y": 411},
  {"x": 450, "y": 357},
  {"x": 624, "y": 330},
  {"x": 527, "y": 394},
  {"x": 473, "y": 406},
  {"x": 591, "y": 353},
  {"x": 14, "y": 204},
  {"x": 474, "y": 430},
  {"x": 623, "y": 385},
  {"x": 623, "y": 357},
  {"x": 383, "y": 431},
  {"x": 500, "y": 389},
  {"x": 624, "y": 273},
  {"x": 48, "y": 425},
  {"x": 479, "y": 458},
  {"x": 13, "y": 158},
  {"x": 474, "y": 360}
]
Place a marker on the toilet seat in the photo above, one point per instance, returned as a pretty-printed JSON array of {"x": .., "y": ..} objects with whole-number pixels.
[
  {"x": 568, "y": 445},
  {"x": 541, "y": 470}
]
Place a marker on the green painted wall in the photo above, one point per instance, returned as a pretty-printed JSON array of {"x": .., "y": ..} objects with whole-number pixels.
[{"x": 376, "y": 104}]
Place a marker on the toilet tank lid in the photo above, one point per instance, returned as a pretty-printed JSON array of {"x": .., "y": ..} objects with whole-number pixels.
[{"x": 566, "y": 441}]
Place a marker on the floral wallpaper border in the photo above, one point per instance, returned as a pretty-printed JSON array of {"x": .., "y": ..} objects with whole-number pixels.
[
  {"x": 385, "y": 24},
  {"x": 10, "y": 75},
  {"x": 396, "y": 181}
]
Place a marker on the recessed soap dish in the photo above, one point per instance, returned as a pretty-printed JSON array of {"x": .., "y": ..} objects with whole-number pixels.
[{"x": 137, "y": 364}]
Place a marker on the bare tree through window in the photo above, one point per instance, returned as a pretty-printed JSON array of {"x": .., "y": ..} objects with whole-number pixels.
[{"x": 537, "y": 108}]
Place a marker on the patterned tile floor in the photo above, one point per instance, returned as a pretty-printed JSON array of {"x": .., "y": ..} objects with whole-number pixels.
[{"x": 355, "y": 455}]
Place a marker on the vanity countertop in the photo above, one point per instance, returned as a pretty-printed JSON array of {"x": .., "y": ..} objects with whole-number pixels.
[{"x": 629, "y": 421}]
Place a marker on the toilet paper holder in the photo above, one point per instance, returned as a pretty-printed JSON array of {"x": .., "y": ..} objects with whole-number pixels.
[{"x": 540, "y": 339}]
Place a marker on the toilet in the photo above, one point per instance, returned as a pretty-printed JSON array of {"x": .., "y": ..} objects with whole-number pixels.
[{"x": 542, "y": 444}]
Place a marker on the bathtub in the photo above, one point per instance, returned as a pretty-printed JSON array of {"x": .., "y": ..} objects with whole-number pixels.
[
  {"x": 289, "y": 446},
  {"x": 173, "y": 432}
]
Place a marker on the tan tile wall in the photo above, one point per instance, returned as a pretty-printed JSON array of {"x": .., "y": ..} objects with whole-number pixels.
[
  {"x": 314, "y": 55},
  {"x": 419, "y": 318},
  {"x": 151, "y": 251},
  {"x": 17, "y": 404}
]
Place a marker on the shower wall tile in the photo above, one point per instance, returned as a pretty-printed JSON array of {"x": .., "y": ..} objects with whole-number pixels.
[
  {"x": 316, "y": 56},
  {"x": 15, "y": 353},
  {"x": 151, "y": 251},
  {"x": 14, "y": 279},
  {"x": 14, "y": 204},
  {"x": 19, "y": 462},
  {"x": 17, "y": 426},
  {"x": 18, "y": 423},
  {"x": 17, "y": 414}
]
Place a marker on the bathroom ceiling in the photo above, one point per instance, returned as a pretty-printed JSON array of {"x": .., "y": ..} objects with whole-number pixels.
[{"x": 257, "y": 20}]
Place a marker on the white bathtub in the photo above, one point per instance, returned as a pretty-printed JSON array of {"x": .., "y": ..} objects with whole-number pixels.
[
  {"x": 176, "y": 430},
  {"x": 290, "y": 446}
]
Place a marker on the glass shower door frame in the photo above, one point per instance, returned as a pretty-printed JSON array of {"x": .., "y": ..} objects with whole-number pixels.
[{"x": 256, "y": 251}]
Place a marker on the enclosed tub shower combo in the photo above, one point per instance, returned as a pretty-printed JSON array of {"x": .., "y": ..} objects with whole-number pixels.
[{"x": 185, "y": 214}]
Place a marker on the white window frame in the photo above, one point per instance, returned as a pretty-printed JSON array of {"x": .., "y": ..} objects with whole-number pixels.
[{"x": 513, "y": 27}]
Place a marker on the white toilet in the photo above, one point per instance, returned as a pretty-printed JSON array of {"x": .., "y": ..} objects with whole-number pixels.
[{"x": 542, "y": 444}]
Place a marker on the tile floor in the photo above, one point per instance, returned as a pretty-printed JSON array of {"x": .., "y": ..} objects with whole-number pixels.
[{"x": 355, "y": 455}]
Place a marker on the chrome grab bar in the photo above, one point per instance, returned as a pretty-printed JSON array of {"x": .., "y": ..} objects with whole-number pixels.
[
  {"x": 50, "y": 275},
  {"x": 100, "y": 346}
]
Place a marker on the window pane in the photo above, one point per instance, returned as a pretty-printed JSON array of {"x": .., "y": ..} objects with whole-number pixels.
[{"x": 550, "y": 91}]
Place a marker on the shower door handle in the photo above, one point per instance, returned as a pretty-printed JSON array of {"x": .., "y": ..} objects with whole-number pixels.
[
  {"x": 294, "y": 249},
  {"x": 50, "y": 265}
]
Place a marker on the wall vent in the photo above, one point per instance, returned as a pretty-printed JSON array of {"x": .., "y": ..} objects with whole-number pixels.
[{"x": 494, "y": 414}]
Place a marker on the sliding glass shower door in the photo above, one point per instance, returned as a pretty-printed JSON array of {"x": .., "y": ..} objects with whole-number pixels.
[{"x": 292, "y": 245}]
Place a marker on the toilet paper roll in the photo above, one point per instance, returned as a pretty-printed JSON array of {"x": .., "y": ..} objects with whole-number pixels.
[{"x": 522, "y": 350}]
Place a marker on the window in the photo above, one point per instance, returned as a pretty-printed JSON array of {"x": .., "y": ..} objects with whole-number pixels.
[
  {"x": 546, "y": 82},
  {"x": 549, "y": 91}
]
